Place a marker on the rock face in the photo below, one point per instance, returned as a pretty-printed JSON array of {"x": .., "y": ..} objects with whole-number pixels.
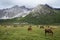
[
  {"x": 15, "y": 11},
  {"x": 42, "y": 9},
  {"x": 42, "y": 14}
]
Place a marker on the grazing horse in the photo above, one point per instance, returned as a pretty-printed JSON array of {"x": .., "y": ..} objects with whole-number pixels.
[
  {"x": 41, "y": 26},
  {"x": 15, "y": 25},
  {"x": 48, "y": 31},
  {"x": 29, "y": 29}
]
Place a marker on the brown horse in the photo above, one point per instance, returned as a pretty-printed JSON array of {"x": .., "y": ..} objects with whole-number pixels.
[
  {"x": 49, "y": 31},
  {"x": 42, "y": 26},
  {"x": 30, "y": 28}
]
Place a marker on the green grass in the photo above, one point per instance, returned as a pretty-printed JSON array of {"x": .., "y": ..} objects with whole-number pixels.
[{"x": 21, "y": 33}]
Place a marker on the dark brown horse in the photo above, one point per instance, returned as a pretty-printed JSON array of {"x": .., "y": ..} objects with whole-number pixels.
[
  {"x": 30, "y": 28},
  {"x": 49, "y": 31}
]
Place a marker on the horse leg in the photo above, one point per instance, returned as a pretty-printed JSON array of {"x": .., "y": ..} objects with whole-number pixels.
[
  {"x": 45, "y": 33},
  {"x": 52, "y": 33}
]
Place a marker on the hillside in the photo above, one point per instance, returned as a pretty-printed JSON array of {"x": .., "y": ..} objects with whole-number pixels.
[{"x": 41, "y": 14}]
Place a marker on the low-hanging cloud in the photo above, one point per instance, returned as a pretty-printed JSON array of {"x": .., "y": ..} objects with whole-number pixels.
[{"x": 28, "y": 3}]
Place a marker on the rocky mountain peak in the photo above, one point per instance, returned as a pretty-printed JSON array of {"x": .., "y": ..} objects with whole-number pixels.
[
  {"x": 15, "y": 11},
  {"x": 22, "y": 7},
  {"x": 44, "y": 9},
  {"x": 48, "y": 6},
  {"x": 16, "y": 6}
]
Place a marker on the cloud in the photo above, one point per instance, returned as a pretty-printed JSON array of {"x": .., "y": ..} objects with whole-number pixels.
[
  {"x": 5, "y": 4},
  {"x": 28, "y": 3}
]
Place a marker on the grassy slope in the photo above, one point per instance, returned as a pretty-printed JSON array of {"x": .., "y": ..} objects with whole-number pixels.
[{"x": 21, "y": 33}]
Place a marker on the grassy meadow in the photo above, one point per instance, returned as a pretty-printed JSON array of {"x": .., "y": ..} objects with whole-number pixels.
[{"x": 21, "y": 33}]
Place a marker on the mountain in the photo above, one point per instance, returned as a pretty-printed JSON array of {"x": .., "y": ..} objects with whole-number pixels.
[
  {"x": 42, "y": 14},
  {"x": 43, "y": 9},
  {"x": 15, "y": 11}
]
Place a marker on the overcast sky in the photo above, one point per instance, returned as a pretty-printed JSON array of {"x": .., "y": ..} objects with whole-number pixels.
[{"x": 28, "y": 3}]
